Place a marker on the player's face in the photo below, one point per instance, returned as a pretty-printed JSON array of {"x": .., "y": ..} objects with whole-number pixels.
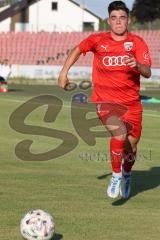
[{"x": 118, "y": 21}]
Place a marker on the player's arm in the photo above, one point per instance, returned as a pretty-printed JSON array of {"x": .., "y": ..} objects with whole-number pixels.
[
  {"x": 144, "y": 69},
  {"x": 71, "y": 59}
]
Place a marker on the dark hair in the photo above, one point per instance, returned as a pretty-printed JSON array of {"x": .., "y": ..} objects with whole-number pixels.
[{"x": 118, "y": 5}]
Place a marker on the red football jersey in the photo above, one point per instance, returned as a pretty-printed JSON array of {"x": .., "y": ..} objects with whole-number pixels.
[{"x": 113, "y": 81}]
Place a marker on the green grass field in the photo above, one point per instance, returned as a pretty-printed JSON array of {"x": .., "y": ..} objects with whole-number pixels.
[{"x": 72, "y": 187}]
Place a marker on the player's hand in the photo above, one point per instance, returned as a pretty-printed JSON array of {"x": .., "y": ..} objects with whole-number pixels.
[
  {"x": 130, "y": 61},
  {"x": 63, "y": 80},
  {"x": 70, "y": 86},
  {"x": 64, "y": 83}
]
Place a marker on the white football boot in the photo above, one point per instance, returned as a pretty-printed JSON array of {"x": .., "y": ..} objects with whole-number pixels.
[{"x": 114, "y": 185}]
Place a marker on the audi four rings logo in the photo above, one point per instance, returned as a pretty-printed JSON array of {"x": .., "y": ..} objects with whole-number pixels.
[{"x": 114, "y": 60}]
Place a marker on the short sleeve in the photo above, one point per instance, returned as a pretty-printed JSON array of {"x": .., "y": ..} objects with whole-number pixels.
[
  {"x": 88, "y": 44},
  {"x": 142, "y": 52}
]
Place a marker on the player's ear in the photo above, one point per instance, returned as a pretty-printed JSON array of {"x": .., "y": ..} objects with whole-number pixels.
[
  {"x": 129, "y": 20},
  {"x": 108, "y": 21}
]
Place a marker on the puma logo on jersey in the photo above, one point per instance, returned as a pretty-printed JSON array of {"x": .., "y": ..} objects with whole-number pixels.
[{"x": 105, "y": 47}]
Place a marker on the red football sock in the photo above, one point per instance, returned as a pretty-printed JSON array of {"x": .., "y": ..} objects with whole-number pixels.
[
  {"x": 129, "y": 160},
  {"x": 116, "y": 152}
]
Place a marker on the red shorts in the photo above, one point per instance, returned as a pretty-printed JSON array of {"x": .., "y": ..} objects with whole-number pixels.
[{"x": 130, "y": 115}]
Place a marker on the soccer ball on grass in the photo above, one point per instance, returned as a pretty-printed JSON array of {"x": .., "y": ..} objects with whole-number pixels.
[{"x": 37, "y": 225}]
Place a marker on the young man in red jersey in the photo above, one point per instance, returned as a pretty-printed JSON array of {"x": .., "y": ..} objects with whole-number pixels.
[{"x": 120, "y": 58}]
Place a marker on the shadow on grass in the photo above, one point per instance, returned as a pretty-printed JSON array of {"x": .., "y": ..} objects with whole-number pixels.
[
  {"x": 57, "y": 236},
  {"x": 104, "y": 176},
  {"x": 141, "y": 181}
]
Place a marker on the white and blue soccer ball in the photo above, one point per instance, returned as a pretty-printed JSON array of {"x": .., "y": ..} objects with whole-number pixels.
[{"x": 37, "y": 225}]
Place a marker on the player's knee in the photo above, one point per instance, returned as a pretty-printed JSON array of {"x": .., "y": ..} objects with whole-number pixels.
[
  {"x": 116, "y": 127},
  {"x": 134, "y": 148},
  {"x": 133, "y": 142},
  {"x": 121, "y": 137}
]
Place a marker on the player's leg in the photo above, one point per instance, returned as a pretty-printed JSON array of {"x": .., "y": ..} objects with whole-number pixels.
[
  {"x": 133, "y": 120},
  {"x": 130, "y": 153},
  {"x": 118, "y": 132},
  {"x": 129, "y": 160},
  {"x": 110, "y": 115}
]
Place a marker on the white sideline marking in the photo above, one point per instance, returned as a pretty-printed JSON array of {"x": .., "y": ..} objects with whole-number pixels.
[
  {"x": 151, "y": 115},
  {"x": 23, "y": 101},
  {"x": 10, "y": 100}
]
